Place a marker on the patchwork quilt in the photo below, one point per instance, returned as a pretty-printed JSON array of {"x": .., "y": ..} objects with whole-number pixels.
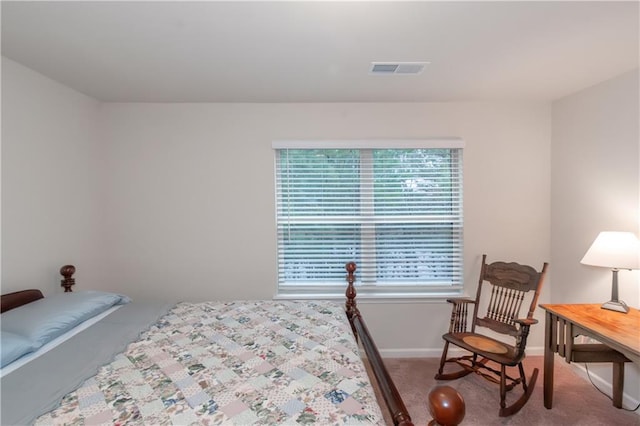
[{"x": 232, "y": 363}]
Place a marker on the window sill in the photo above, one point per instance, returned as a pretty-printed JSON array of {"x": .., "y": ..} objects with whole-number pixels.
[{"x": 371, "y": 297}]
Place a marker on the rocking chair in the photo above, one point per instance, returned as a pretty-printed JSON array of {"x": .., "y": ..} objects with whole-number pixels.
[{"x": 510, "y": 284}]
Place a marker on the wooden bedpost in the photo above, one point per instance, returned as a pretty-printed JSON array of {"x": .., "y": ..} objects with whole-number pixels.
[
  {"x": 67, "y": 271},
  {"x": 351, "y": 290},
  {"x": 395, "y": 405},
  {"x": 350, "y": 304}
]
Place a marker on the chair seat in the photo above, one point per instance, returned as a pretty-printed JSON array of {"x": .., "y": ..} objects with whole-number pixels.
[{"x": 485, "y": 346}]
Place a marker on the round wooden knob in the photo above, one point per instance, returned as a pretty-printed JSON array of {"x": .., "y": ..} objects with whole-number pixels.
[
  {"x": 350, "y": 267},
  {"x": 446, "y": 406},
  {"x": 67, "y": 271}
]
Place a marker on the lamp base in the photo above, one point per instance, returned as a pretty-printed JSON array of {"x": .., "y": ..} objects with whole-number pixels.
[{"x": 616, "y": 305}]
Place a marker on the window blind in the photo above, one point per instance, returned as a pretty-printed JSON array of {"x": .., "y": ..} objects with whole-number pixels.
[{"x": 396, "y": 212}]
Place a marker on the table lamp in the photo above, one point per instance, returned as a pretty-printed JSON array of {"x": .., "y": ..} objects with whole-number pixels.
[{"x": 615, "y": 250}]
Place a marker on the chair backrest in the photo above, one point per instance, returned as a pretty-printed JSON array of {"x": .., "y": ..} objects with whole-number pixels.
[{"x": 509, "y": 286}]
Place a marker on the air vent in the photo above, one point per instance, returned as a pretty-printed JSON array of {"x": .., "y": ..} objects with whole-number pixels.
[{"x": 388, "y": 68}]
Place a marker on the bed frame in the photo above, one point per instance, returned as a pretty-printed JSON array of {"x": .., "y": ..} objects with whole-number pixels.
[
  {"x": 397, "y": 409},
  {"x": 18, "y": 298}
]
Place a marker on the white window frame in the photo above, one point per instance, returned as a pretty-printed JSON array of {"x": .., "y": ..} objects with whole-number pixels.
[{"x": 336, "y": 290}]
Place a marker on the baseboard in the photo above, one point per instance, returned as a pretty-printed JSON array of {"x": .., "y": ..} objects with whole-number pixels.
[
  {"x": 411, "y": 353},
  {"x": 437, "y": 352}
]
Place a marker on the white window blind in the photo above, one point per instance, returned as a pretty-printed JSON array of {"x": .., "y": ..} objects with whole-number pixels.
[{"x": 396, "y": 212}]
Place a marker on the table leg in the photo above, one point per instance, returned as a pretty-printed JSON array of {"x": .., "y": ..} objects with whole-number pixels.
[
  {"x": 549, "y": 351},
  {"x": 618, "y": 383}
]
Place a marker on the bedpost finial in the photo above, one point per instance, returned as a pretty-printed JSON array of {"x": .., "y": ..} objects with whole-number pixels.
[
  {"x": 351, "y": 291},
  {"x": 67, "y": 271}
]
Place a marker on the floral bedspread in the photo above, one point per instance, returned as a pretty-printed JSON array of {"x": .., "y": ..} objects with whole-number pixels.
[{"x": 234, "y": 363}]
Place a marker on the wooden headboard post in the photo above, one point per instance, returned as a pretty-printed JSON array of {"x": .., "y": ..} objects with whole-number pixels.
[
  {"x": 67, "y": 271},
  {"x": 18, "y": 298}
]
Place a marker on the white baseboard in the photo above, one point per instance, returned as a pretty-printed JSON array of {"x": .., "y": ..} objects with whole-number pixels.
[{"x": 437, "y": 352}]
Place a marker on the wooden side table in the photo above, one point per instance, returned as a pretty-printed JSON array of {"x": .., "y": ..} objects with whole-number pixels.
[{"x": 618, "y": 333}]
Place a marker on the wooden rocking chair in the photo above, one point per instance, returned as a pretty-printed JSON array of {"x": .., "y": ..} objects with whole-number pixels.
[{"x": 510, "y": 284}]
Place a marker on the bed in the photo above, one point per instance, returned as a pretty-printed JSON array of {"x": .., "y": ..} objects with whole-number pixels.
[{"x": 235, "y": 362}]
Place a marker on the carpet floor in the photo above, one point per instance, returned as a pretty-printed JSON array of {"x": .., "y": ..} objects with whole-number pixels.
[{"x": 575, "y": 400}]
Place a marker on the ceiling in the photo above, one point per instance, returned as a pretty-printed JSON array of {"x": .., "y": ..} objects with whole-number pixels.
[{"x": 321, "y": 51}]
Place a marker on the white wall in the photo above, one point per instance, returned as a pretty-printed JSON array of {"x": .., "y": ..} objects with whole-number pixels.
[
  {"x": 191, "y": 197},
  {"x": 51, "y": 195},
  {"x": 176, "y": 201},
  {"x": 595, "y": 187}
]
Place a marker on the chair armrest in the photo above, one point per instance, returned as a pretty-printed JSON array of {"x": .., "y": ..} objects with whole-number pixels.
[
  {"x": 459, "y": 313},
  {"x": 458, "y": 300},
  {"x": 523, "y": 332},
  {"x": 526, "y": 321}
]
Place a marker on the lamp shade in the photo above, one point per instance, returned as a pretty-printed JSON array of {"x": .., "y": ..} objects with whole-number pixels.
[{"x": 616, "y": 250}]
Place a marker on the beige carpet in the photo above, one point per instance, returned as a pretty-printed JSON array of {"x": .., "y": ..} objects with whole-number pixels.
[{"x": 575, "y": 402}]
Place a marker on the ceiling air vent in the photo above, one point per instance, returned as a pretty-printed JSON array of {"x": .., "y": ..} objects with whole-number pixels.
[{"x": 388, "y": 68}]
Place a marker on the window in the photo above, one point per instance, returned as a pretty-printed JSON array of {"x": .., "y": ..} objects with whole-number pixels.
[{"x": 394, "y": 208}]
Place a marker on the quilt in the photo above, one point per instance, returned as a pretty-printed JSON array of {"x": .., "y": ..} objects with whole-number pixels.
[{"x": 232, "y": 363}]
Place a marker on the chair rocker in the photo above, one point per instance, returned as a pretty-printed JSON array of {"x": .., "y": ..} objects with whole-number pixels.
[{"x": 509, "y": 284}]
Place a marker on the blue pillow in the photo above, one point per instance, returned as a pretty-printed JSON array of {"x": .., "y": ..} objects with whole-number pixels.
[
  {"x": 45, "y": 319},
  {"x": 13, "y": 347}
]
